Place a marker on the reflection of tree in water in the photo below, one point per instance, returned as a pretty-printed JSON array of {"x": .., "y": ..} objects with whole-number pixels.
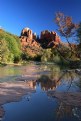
[
  {"x": 69, "y": 79},
  {"x": 9, "y": 70},
  {"x": 68, "y": 111},
  {"x": 73, "y": 80},
  {"x": 63, "y": 111},
  {"x": 70, "y": 76}
]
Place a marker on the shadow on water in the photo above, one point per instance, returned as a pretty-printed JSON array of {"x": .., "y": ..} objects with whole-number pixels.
[{"x": 51, "y": 87}]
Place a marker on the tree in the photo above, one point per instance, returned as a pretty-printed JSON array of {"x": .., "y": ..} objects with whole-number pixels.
[
  {"x": 66, "y": 27},
  {"x": 79, "y": 41},
  {"x": 9, "y": 45},
  {"x": 4, "y": 51},
  {"x": 79, "y": 34}
]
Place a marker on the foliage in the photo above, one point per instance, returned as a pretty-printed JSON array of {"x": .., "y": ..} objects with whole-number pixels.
[
  {"x": 51, "y": 55},
  {"x": 11, "y": 47},
  {"x": 4, "y": 51},
  {"x": 46, "y": 56},
  {"x": 79, "y": 41},
  {"x": 66, "y": 27},
  {"x": 58, "y": 56},
  {"x": 32, "y": 53},
  {"x": 79, "y": 34}
]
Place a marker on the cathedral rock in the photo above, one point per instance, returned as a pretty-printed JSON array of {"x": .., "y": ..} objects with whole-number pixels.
[{"x": 47, "y": 39}]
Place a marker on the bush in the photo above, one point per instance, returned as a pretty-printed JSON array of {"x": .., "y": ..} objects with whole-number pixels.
[{"x": 46, "y": 56}]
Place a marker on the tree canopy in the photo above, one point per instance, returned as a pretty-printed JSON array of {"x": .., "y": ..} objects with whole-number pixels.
[{"x": 10, "y": 47}]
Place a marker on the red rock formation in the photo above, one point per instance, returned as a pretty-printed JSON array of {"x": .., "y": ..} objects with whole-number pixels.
[
  {"x": 28, "y": 38},
  {"x": 29, "y": 43},
  {"x": 27, "y": 33},
  {"x": 49, "y": 39},
  {"x": 34, "y": 36}
]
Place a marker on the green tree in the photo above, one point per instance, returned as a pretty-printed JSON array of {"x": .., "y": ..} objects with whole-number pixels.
[
  {"x": 46, "y": 56},
  {"x": 4, "y": 51},
  {"x": 13, "y": 45}
]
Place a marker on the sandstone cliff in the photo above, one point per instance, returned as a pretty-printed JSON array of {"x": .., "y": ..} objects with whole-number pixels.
[
  {"x": 49, "y": 39},
  {"x": 29, "y": 42}
]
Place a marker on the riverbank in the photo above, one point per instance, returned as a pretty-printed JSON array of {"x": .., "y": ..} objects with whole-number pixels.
[{"x": 4, "y": 64}]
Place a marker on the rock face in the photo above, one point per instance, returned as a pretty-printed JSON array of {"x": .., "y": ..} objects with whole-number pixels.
[
  {"x": 49, "y": 39},
  {"x": 28, "y": 38},
  {"x": 27, "y": 33},
  {"x": 32, "y": 45},
  {"x": 29, "y": 42}
]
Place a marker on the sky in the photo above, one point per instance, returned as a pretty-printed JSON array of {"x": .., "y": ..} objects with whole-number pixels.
[{"x": 37, "y": 15}]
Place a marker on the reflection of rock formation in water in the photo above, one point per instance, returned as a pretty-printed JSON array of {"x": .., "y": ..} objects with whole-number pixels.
[
  {"x": 53, "y": 79},
  {"x": 51, "y": 82},
  {"x": 13, "y": 91},
  {"x": 47, "y": 83}
]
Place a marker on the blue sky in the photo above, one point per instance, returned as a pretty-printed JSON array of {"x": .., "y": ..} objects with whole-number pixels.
[{"x": 38, "y": 15}]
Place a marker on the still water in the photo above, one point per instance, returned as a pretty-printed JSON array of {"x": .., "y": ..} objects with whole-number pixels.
[{"x": 36, "y": 92}]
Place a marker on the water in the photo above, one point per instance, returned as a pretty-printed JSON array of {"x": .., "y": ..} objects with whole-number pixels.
[{"x": 25, "y": 91}]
